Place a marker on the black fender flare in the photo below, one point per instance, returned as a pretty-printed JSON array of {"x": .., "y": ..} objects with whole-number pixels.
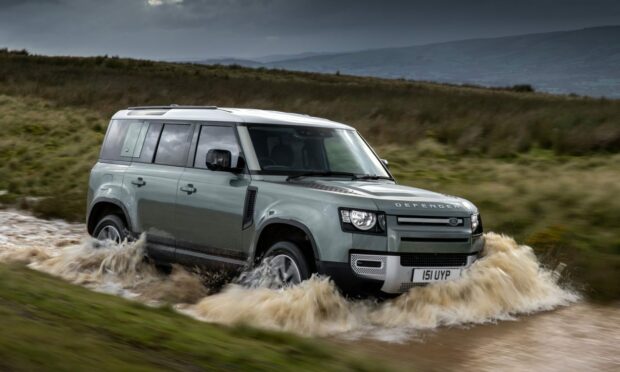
[
  {"x": 283, "y": 221},
  {"x": 117, "y": 203}
]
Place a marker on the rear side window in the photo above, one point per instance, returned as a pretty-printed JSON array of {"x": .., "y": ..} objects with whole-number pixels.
[
  {"x": 114, "y": 140},
  {"x": 216, "y": 138},
  {"x": 130, "y": 140},
  {"x": 149, "y": 145},
  {"x": 173, "y": 145}
]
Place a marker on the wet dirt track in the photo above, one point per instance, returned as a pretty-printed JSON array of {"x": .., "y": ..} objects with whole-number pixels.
[
  {"x": 479, "y": 323},
  {"x": 581, "y": 337}
]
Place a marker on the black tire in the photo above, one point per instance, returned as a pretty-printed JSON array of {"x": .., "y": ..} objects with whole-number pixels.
[
  {"x": 112, "y": 221},
  {"x": 292, "y": 251}
]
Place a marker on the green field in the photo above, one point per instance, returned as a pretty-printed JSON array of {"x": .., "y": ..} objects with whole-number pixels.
[
  {"x": 470, "y": 120},
  {"x": 542, "y": 168},
  {"x": 50, "y": 325}
]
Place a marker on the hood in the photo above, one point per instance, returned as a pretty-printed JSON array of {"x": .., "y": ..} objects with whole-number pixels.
[{"x": 398, "y": 199}]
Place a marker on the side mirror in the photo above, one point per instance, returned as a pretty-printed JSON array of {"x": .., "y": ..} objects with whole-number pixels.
[
  {"x": 220, "y": 160},
  {"x": 385, "y": 162}
]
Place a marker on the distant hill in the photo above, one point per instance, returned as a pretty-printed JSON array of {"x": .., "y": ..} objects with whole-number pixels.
[
  {"x": 264, "y": 61},
  {"x": 226, "y": 62},
  {"x": 585, "y": 62},
  {"x": 281, "y": 57}
]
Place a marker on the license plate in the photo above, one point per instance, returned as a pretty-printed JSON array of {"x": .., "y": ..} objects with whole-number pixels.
[{"x": 424, "y": 275}]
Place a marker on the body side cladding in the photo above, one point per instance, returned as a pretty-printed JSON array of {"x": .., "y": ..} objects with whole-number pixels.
[
  {"x": 115, "y": 202},
  {"x": 289, "y": 222}
]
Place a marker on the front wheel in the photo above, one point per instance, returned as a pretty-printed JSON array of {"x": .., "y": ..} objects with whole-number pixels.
[
  {"x": 110, "y": 227},
  {"x": 288, "y": 263}
]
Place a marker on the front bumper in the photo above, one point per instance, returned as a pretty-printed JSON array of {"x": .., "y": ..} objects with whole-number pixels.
[
  {"x": 396, "y": 277},
  {"x": 381, "y": 273}
]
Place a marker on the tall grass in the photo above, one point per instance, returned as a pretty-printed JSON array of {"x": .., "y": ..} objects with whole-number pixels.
[
  {"x": 47, "y": 152},
  {"x": 469, "y": 119}
]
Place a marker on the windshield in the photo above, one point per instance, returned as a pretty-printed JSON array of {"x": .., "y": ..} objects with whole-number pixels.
[{"x": 292, "y": 150}]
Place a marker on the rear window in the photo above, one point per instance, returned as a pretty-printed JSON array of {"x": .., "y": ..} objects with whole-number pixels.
[{"x": 173, "y": 145}]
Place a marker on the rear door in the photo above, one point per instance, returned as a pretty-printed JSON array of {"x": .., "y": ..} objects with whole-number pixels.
[
  {"x": 210, "y": 203},
  {"x": 152, "y": 180}
]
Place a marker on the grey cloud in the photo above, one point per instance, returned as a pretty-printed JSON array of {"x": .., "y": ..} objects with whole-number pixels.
[{"x": 246, "y": 28}]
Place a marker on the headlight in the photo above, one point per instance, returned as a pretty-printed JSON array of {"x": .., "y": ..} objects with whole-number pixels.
[
  {"x": 476, "y": 224},
  {"x": 353, "y": 220},
  {"x": 363, "y": 220}
]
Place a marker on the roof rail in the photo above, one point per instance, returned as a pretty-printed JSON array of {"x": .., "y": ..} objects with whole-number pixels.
[{"x": 172, "y": 106}]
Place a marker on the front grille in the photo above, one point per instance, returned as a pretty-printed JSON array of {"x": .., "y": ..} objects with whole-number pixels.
[
  {"x": 433, "y": 259},
  {"x": 435, "y": 240},
  {"x": 430, "y": 221}
]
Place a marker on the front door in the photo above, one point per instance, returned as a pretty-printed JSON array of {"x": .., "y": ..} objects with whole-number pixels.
[{"x": 210, "y": 203}]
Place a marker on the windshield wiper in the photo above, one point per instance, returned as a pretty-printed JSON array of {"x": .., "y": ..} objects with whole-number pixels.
[{"x": 322, "y": 174}]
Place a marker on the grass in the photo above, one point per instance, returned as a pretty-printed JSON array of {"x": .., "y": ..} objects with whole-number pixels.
[
  {"x": 51, "y": 325},
  {"x": 48, "y": 152},
  {"x": 470, "y": 120}
]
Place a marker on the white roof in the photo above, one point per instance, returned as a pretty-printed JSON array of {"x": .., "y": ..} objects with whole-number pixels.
[{"x": 235, "y": 115}]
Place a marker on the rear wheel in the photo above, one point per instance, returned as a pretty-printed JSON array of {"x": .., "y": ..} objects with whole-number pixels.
[
  {"x": 288, "y": 263},
  {"x": 111, "y": 227}
]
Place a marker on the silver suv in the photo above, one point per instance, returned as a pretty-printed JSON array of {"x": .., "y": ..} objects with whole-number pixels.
[{"x": 230, "y": 187}]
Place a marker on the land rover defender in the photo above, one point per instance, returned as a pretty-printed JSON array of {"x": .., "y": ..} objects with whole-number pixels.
[{"x": 227, "y": 186}]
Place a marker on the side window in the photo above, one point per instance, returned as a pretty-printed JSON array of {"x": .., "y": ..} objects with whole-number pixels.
[
  {"x": 132, "y": 146},
  {"x": 173, "y": 145},
  {"x": 147, "y": 151},
  {"x": 114, "y": 139},
  {"x": 216, "y": 137}
]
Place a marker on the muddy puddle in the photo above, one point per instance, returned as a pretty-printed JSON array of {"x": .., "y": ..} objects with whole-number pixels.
[{"x": 489, "y": 310}]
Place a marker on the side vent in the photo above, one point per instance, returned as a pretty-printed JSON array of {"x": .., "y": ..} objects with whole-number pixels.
[{"x": 248, "y": 209}]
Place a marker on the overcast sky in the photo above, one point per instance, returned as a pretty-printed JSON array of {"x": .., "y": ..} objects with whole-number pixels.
[{"x": 179, "y": 29}]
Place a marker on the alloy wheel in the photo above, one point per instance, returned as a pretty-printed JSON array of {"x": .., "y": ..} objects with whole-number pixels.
[
  {"x": 110, "y": 233},
  {"x": 286, "y": 269}
]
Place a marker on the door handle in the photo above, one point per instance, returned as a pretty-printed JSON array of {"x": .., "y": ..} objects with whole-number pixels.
[
  {"x": 139, "y": 182},
  {"x": 189, "y": 189}
]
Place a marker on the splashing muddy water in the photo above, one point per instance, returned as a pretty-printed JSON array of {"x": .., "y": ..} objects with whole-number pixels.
[{"x": 505, "y": 282}]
